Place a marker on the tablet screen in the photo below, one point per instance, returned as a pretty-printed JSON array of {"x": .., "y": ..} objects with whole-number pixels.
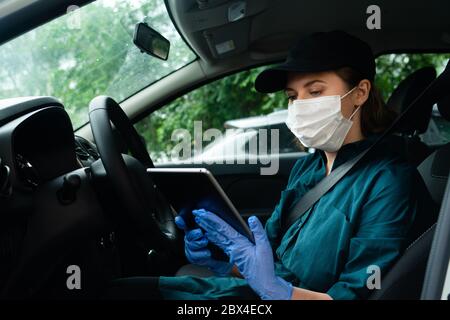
[{"x": 195, "y": 188}]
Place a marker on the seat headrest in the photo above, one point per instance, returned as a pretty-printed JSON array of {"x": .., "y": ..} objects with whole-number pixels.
[
  {"x": 444, "y": 107},
  {"x": 405, "y": 93}
]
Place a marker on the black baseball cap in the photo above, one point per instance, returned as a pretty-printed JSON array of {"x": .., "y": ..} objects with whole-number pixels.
[{"x": 321, "y": 51}]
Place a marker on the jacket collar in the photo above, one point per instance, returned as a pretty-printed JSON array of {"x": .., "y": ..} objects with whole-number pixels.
[{"x": 349, "y": 150}]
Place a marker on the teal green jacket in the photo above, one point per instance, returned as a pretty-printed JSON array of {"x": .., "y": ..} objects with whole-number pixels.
[{"x": 359, "y": 226}]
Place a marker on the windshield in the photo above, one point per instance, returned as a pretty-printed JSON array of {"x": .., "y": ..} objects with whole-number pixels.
[{"x": 90, "y": 52}]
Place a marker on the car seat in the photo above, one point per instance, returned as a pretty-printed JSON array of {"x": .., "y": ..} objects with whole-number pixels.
[
  {"x": 405, "y": 279},
  {"x": 414, "y": 123}
]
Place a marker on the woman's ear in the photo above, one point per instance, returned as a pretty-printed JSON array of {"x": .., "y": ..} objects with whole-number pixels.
[{"x": 362, "y": 92}]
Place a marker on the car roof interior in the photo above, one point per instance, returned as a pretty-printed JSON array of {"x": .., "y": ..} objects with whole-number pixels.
[
  {"x": 270, "y": 27},
  {"x": 257, "y": 39}
]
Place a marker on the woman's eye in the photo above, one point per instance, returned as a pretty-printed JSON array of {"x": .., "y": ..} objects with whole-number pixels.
[
  {"x": 291, "y": 98},
  {"x": 315, "y": 93}
]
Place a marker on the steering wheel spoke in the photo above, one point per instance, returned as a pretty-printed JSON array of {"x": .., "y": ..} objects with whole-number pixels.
[{"x": 147, "y": 209}]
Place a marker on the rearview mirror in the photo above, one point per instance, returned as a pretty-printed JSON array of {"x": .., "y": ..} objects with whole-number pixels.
[{"x": 151, "y": 41}]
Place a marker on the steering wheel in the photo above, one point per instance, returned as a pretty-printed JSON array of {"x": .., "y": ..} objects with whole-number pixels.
[{"x": 145, "y": 205}]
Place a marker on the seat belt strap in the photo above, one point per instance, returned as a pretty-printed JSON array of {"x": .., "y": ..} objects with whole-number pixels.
[{"x": 314, "y": 194}]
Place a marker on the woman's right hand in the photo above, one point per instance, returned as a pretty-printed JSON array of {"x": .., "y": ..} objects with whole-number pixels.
[{"x": 195, "y": 248}]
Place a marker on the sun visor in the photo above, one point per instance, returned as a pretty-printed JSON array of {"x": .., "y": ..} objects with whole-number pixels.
[{"x": 217, "y": 28}]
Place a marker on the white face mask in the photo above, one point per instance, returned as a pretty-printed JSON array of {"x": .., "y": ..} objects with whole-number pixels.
[{"x": 318, "y": 122}]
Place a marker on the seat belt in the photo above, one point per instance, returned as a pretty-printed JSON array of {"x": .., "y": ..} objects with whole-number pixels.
[
  {"x": 314, "y": 194},
  {"x": 324, "y": 185}
]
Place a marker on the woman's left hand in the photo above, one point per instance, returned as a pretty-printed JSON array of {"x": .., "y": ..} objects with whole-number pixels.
[{"x": 254, "y": 261}]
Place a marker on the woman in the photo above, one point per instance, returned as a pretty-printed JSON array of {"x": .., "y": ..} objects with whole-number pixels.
[{"x": 359, "y": 226}]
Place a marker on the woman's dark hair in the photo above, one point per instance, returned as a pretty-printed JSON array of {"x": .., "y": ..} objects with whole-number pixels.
[{"x": 375, "y": 116}]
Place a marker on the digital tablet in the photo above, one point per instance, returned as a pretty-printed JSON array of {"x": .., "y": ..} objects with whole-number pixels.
[{"x": 196, "y": 188}]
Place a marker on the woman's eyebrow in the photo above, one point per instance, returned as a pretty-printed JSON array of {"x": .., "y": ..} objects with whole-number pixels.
[
  {"x": 313, "y": 81},
  {"x": 287, "y": 90}
]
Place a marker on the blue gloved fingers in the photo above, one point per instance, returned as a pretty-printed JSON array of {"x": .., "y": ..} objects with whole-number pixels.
[
  {"x": 181, "y": 224},
  {"x": 197, "y": 244},
  {"x": 219, "y": 240},
  {"x": 199, "y": 256},
  {"x": 213, "y": 220},
  {"x": 194, "y": 234},
  {"x": 212, "y": 223},
  {"x": 214, "y": 235},
  {"x": 258, "y": 230},
  {"x": 203, "y": 258}
]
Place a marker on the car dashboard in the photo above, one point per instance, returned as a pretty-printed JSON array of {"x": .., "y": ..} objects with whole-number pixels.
[
  {"x": 38, "y": 153},
  {"x": 37, "y": 142}
]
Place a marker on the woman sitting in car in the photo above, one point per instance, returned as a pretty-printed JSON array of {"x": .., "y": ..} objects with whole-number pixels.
[{"x": 357, "y": 228}]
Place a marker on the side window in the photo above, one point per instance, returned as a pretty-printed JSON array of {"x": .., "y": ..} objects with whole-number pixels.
[
  {"x": 218, "y": 121},
  {"x": 393, "y": 68}
]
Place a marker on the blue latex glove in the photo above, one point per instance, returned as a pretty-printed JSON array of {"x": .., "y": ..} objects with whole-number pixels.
[
  {"x": 254, "y": 261},
  {"x": 195, "y": 248}
]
